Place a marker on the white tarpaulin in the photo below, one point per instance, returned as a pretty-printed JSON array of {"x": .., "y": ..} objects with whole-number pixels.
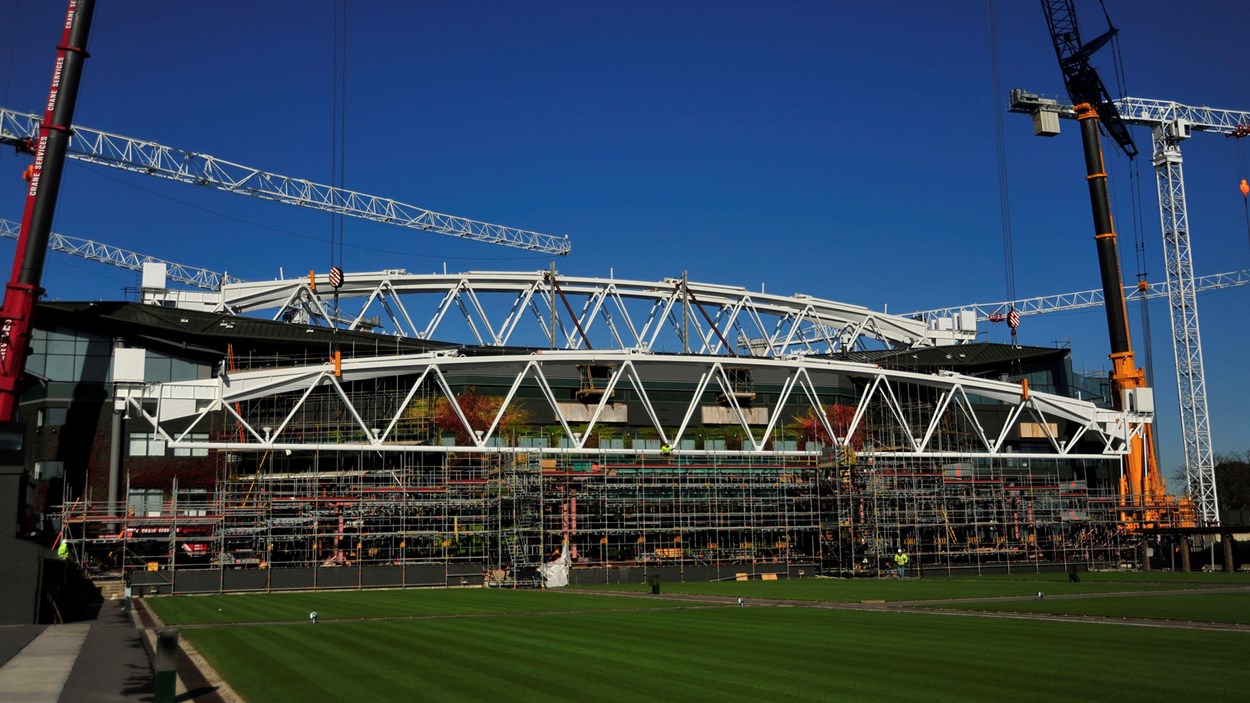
[{"x": 556, "y": 573}]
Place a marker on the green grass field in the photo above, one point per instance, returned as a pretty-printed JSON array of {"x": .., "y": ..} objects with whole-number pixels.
[
  {"x": 855, "y": 590},
  {"x": 516, "y": 645}
]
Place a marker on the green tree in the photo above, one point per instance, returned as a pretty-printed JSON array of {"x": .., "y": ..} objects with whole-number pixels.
[{"x": 1232, "y": 480}]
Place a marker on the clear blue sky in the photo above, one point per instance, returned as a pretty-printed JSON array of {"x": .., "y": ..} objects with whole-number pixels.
[{"x": 844, "y": 150}]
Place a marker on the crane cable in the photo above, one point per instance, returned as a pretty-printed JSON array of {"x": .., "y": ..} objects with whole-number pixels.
[
  {"x": 1139, "y": 241},
  {"x": 1012, "y": 318},
  {"x": 338, "y": 138},
  {"x": 1239, "y": 150}
]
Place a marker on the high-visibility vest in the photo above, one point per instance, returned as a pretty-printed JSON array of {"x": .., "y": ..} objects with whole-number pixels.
[
  {"x": 901, "y": 559},
  {"x": 62, "y": 550}
]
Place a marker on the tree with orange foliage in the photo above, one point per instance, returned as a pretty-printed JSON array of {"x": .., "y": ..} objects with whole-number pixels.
[
  {"x": 480, "y": 411},
  {"x": 811, "y": 429}
]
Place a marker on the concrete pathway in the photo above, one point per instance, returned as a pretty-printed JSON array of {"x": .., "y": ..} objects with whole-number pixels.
[{"x": 39, "y": 671}]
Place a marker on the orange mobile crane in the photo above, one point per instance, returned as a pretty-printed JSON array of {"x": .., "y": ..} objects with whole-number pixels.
[{"x": 1144, "y": 498}]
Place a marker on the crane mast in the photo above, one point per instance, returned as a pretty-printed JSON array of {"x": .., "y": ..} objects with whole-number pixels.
[
  {"x": 1170, "y": 124},
  {"x": 23, "y": 290},
  {"x": 1141, "y": 485}
]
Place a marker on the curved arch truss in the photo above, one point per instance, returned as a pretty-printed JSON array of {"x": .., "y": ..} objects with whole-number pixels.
[
  {"x": 433, "y": 402},
  {"x": 544, "y": 309}
]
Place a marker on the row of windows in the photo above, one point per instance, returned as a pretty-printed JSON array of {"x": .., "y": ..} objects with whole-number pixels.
[
  {"x": 151, "y": 444},
  {"x": 78, "y": 357}
]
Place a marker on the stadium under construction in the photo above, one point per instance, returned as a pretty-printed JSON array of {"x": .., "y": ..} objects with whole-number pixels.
[{"x": 826, "y": 438}]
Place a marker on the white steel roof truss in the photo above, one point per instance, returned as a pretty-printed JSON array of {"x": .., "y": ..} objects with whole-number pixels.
[
  {"x": 1012, "y": 418},
  {"x": 619, "y": 302},
  {"x": 551, "y": 399},
  {"x": 603, "y": 402},
  {"x": 610, "y": 322},
  {"x": 641, "y": 389},
  {"x": 154, "y": 420},
  {"x": 655, "y": 322},
  {"x": 862, "y": 408},
  {"x": 238, "y": 387},
  {"x": 965, "y": 406},
  {"x": 403, "y": 407},
  {"x": 455, "y": 406},
  {"x": 722, "y": 321},
  {"x": 386, "y": 302},
  {"x": 553, "y": 311},
  {"x": 517, "y": 311},
  {"x": 760, "y": 328},
  {"x": 443, "y": 306},
  {"x": 547, "y": 332},
  {"x": 891, "y": 401},
  {"x": 695, "y": 397},
  {"x": 303, "y": 297},
  {"x": 727, "y": 388},
  {"x": 468, "y": 317},
  {"x": 507, "y": 400},
  {"x": 939, "y": 411},
  {"x": 360, "y": 421},
  {"x": 481, "y": 313},
  {"x": 693, "y": 320},
  {"x": 294, "y": 409},
  {"x": 1041, "y": 420},
  {"x": 1078, "y": 434},
  {"x": 588, "y": 315},
  {"x": 795, "y": 322},
  {"x": 229, "y": 408},
  {"x": 195, "y": 399},
  {"x": 730, "y": 324},
  {"x": 820, "y": 332},
  {"x": 1112, "y": 441},
  {"x": 809, "y": 389}
]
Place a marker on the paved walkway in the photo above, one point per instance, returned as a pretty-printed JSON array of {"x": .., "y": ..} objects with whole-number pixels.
[
  {"x": 38, "y": 673},
  {"x": 95, "y": 661}
]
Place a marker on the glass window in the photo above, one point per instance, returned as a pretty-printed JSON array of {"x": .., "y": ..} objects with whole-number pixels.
[
  {"x": 156, "y": 368},
  {"x": 193, "y": 451},
  {"x": 52, "y": 416},
  {"x": 146, "y": 444},
  {"x": 145, "y": 501}
]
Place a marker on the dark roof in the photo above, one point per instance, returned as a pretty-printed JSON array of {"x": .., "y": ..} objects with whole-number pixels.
[
  {"x": 965, "y": 358},
  {"x": 210, "y": 333}
]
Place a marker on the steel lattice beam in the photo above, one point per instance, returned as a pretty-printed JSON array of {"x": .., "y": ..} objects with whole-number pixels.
[
  {"x": 518, "y": 308},
  {"x": 1077, "y": 300},
  {"x": 272, "y": 403},
  {"x": 154, "y": 159},
  {"x": 133, "y": 261}
]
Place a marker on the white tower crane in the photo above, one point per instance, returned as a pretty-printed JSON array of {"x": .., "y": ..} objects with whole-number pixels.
[
  {"x": 139, "y": 156},
  {"x": 122, "y": 258},
  {"x": 1077, "y": 300},
  {"x": 1170, "y": 124}
]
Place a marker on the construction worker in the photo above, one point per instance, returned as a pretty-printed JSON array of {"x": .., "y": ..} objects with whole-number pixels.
[
  {"x": 900, "y": 562},
  {"x": 666, "y": 449}
]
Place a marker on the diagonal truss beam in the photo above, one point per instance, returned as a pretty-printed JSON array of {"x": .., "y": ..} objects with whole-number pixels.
[
  {"x": 141, "y": 156},
  {"x": 168, "y": 407}
]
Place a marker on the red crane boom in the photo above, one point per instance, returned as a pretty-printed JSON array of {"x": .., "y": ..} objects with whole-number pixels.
[{"x": 23, "y": 290}]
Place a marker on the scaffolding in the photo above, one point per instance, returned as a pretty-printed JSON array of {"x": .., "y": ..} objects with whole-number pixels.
[
  {"x": 500, "y": 516},
  {"x": 448, "y": 503}
]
